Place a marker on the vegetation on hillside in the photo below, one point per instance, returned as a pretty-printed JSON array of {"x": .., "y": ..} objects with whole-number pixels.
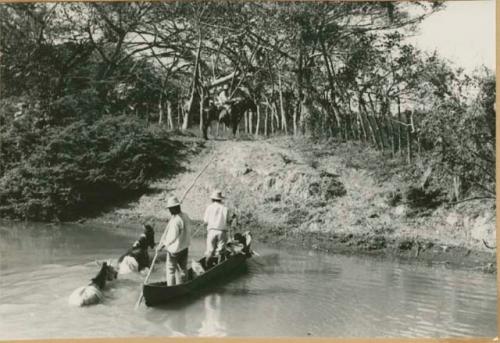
[{"x": 90, "y": 92}]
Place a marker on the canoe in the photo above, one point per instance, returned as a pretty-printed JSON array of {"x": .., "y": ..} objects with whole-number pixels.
[{"x": 158, "y": 293}]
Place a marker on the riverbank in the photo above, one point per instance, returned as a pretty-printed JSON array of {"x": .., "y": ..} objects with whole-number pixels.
[{"x": 327, "y": 196}]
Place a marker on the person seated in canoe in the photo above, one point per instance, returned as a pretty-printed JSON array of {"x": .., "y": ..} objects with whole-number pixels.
[
  {"x": 240, "y": 244},
  {"x": 176, "y": 241},
  {"x": 217, "y": 219}
]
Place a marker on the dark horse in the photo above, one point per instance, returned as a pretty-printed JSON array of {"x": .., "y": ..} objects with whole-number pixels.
[{"x": 230, "y": 114}]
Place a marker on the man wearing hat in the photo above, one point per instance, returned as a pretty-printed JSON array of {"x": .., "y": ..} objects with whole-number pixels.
[
  {"x": 216, "y": 218},
  {"x": 176, "y": 241}
]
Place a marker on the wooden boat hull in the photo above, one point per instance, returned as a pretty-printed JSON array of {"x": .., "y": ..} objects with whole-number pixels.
[{"x": 159, "y": 293}]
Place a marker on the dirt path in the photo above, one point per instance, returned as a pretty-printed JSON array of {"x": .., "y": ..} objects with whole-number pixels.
[{"x": 319, "y": 196}]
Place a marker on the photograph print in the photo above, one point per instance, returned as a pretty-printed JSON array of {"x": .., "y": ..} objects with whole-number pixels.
[{"x": 248, "y": 169}]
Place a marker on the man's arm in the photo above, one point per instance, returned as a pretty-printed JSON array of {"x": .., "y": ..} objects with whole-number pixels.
[
  {"x": 205, "y": 217},
  {"x": 160, "y": 244},
  {"x": 173, "y": 232}
]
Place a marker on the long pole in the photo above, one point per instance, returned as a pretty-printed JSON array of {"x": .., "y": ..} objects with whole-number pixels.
[{"x": 165, "y": 232}]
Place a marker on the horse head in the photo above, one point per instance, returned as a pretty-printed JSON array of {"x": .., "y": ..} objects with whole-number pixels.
[
  {"x": 140, "y": 245},
  {"x": 107, "y": 272},
  {"x": 110, "y": 271}
]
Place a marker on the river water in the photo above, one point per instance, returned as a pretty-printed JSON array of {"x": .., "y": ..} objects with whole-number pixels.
[{"x": 282, "y": 293}]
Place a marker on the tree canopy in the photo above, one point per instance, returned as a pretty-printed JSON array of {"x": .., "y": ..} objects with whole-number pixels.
[{"x": 340, "y": 70}]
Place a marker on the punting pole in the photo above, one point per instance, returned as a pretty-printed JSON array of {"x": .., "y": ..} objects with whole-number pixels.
[{"x": 165, "y": 232}]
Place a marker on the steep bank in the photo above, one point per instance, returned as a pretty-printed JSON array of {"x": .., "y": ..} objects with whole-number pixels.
[{"x": 328, "y": 196}]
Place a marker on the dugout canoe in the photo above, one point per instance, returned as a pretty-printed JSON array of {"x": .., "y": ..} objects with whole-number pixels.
[{"x": 158, "y": 293}]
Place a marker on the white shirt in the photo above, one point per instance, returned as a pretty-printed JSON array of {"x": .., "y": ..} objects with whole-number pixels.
[
  {"x": 178, "y": 234},
  {"x": 216, "y": 216}
]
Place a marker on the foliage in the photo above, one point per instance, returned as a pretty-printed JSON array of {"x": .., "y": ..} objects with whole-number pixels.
[
  {"x": 460, "y": 136},
  {"x": 340, "y": 70},
  {"x": 83, "y": 168},
  {"x": 417, "y": 197}
]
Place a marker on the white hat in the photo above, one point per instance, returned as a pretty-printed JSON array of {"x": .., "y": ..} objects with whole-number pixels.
[
  {"x": 172, "y": 202},
  {"x": 217, "y": 195}
]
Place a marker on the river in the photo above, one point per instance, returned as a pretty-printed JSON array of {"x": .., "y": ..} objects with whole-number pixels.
[{"x": 283, "y": 292}]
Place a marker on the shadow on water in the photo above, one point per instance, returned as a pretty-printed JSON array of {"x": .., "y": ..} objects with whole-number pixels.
[
  {"x": 204, "y": 312},
  {"x": 232, "y": 284},
  {"x": 196, "y": 295}
]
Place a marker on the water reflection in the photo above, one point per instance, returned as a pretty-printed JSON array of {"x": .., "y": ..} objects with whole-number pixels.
[
  {"x": 176, "y": 324},
  {"x": 212, "y": 325},
  {"x": 65, "y": 243},
  {"x": 200, "y": 315}
]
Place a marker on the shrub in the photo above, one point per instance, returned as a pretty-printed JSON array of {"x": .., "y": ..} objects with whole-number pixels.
[
  {"x": 419, "y": 198},
  {"x": 83, "y": 167}
]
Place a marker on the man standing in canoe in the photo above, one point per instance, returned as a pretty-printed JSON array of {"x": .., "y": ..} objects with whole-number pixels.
[
  {"x": 176, "y": 242},
  {"x": 216, "y": 218}
]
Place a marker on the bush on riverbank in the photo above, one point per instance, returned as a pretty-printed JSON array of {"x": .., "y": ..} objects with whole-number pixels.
[{"x": 80, "y": 168}]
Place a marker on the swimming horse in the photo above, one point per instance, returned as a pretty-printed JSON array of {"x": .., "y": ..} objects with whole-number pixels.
[
  {"x": 92, "y": 293},
  {"x": 137, "y": 258}
]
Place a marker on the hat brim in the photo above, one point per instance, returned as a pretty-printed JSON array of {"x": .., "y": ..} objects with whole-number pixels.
[
  {"x": 173, "y": 205},
  {"x": 216, "y": 198}
]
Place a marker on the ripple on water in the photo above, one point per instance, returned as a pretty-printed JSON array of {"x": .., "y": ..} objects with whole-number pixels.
[{"x": 283, "y": 293}]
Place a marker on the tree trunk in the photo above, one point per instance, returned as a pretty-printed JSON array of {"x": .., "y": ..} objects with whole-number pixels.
[
  {"x": 273, "y": 129},
  {"x": 348, "y": 127},
  {"x": 194, "y": 83},
  {"x": 362, "y": 109},
  {"x": 393, "y": 133},
  {"x": 338, "y": 116},
  {"x": 377, "y": 125},
  {"x": 304, "y": 114},
  {"x": 409, "y": 152},
  {"x": 170, "y": 121},
  {"x": 246, "y": 121},
  {"x": 201, "y": 111},
  {"x": 379, "y": 132},
  {"x": 336, "y": 111},
  {"x": 185, "y": 112},
  {"x": 282, "y": 109},
  {"x": 160, "y": 110},
  {"x": 250, "y": 122},
  {"x": 295, "y": 114},
  {"x": 300, "y": 94},
  {"x": 353, "y": 123},
  {"x": 361, "y": 124},
  {"x": 258, "y": 121},
  {"x": 457, "y": 187},
  {"x": 385, "y": 108},
  {"x": 399, "y": 126},
  {"x": 180, "y": 113},
  {"x": 266, "y": 133}
]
